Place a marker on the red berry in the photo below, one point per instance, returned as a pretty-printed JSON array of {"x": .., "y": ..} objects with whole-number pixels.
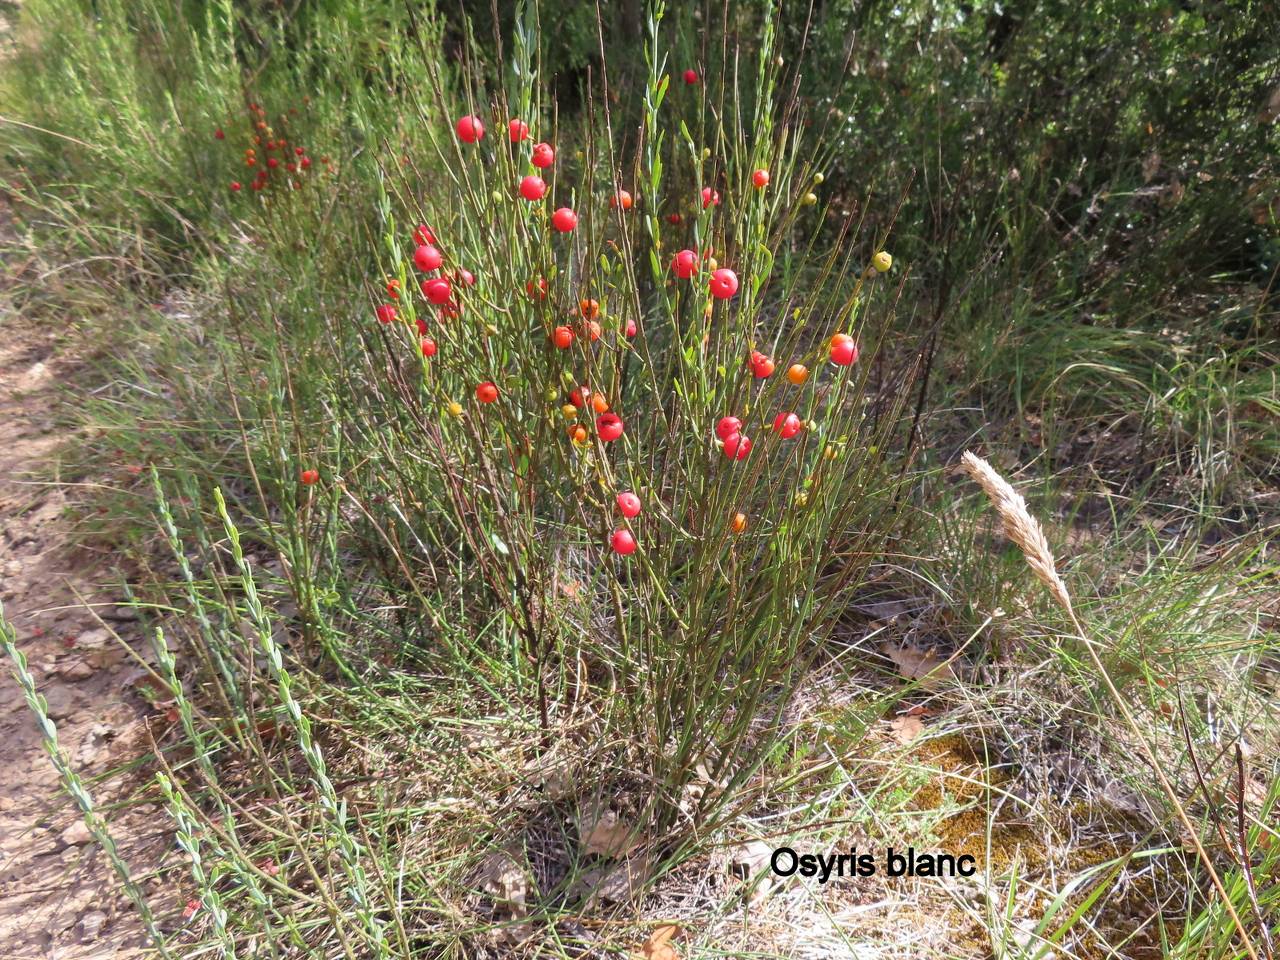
[
  {"x": 844, "y": 351},
  {"x": 427, "y": 258},
  {"x": 219, "y": 135},
  {"x": 467, "y": 277},
  {"x": 306, "y": 163},
  {"x": 486, "y": 392},
  {"x": 386, "y": 313},
  {"x": 308, "y": 477},
  {"x": 424, "y": 235},
  {"x": 437, "y": 290},
  {"x": 609, "y": 426},
  {"x": 562, "y": 337},
  {"x": 235, "y": 186},
  {"x": 621, "y": 199},
  {"x": 691, "y": 77},
  {"x": 518, "y": 130},
  {"x": 272, "y": 162},
  {"x": 632, "y": 329},
  {"x": 421, "y": 325},
  {"x": 673, "y": 218},
  {"x": 543, "y": 156},
  {"x": 710, "y": 197},
  {"x": 470, "y": 129},
  {"x": 298, "y": 151},
  {"x": 727, "y": 427},
  {"x": 760, "y": 179},
  {"x": 537, "y": 288},
  {"x": 623, "y": 542},
  {"x": 685, "y": 264},
  {"x": 787, "y": 425},
  {"x": 428, "y": 347},
  {"x": 723, "y": 284},
  {"x": 628, "y": 504},
  {"x": 579, "y": 396},
  {"x": 736, "y": 447},
  {"x": 533, "y": 188},
  {"x": 761, "y": 366},
  {"x": 564, "y": 220}
]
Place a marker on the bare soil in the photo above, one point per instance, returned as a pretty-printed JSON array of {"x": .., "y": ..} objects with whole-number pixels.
[{"x": 58, "y": 896}]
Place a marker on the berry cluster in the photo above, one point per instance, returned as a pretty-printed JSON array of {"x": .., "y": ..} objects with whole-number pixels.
[
  {"x": 282, "y": 164},
  {"x": 443, "y": 286}
]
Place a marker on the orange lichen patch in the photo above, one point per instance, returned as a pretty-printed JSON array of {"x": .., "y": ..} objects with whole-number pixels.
[
  {"x": 960, "y": 791},
  {"x": 955, "y": 793}
]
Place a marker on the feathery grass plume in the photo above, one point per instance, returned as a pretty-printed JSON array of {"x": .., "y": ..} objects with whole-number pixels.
[{"x": 1019, "y": 526}]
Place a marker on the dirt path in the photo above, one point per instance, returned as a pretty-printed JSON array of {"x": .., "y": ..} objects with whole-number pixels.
[{"x": 58, "y": 898}]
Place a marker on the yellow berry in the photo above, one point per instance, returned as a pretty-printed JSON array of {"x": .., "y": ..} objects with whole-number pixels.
[
  {"x": 810, "y": 199},
  {"x": 818, "y": 178},
  {"x": 570, "y": 411},
  {"x": 455, "y": 409},
  {"x": 882, "y": 261}
]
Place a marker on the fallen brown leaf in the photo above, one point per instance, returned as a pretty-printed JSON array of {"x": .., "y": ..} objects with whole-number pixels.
[
  {"x": 616, "y": 885},
  {"x": 502, "y": 876},
  {"x": 923, "y": 665},
  {"x": 904, "y": 729},
  {"x": 606, "y": 834},
  {"x": 659, "y": 946}
]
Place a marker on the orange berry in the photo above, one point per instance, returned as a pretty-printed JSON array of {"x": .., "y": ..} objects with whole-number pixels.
[
  {"x": 739, "y": 522},
  {"x": 797, "y": 373}
]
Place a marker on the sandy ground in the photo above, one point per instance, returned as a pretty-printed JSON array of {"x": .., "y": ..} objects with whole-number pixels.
[{"x": 58, "y": 897}]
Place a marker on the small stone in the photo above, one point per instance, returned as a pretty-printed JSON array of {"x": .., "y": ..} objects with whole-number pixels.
[
  {"x": 97, "y": 637},
  {"x": 76, "y": 834},
  {"x": 94, "y": 744},
  {"x": 91, "y": 925},
  {"x": 62, "y": 702},
  {"x": 76, "y": 670},
  {"x": 122, "y": 613}
]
